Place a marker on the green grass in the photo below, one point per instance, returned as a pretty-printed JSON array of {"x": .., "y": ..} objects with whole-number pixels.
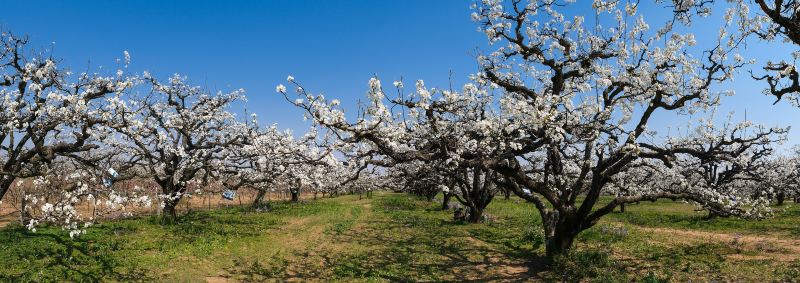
[
  {"x": 676, "y": 214},
  {"x": 398, "y": 237}
]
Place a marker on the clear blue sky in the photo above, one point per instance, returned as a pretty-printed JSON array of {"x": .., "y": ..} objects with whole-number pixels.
[{"x": 332, "y": 47}]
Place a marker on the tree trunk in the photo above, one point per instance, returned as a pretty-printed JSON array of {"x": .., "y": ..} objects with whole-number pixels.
[
  {"x": 23, "y": 211},
  {"x": 780, "y": 198},
  {"x": 295, "y": 195},
  {"x": 558, "y": 245},
  {"x": 170, "y": 211},
  {"x": 475, "y": 215},
  {"x": 5, "y": 184},
  {"x": 446, "y": 201},
  {"x": 173, "y": 194},
  {"x": 558, "y": 234},
  {"x": 431, "y": 196},
  {"x": 507, "y": 194},
  {"x": 622, "y": 208},
  {"x": 711, "y": 215},
  {"x": 259, "y": 199}
]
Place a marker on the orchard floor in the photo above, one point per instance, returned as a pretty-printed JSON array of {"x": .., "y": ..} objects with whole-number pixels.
[{"x": 397, "y": 237}]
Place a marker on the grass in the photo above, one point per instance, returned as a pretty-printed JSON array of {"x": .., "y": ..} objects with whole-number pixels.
[
  {"x": 676, "y": 214},
  {"x": 397, "y": 237}
]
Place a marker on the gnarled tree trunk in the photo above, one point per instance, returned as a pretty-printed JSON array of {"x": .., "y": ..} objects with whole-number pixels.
[
  {"x": 558, "y": 244},
  {"x": 170, "y": 210},
  {"x": 259, "y": 199},
  {"x": 5, "y": 184},
  {"x": 174, "y": 195},
  {"x": 431, "y": 195},
  {"x": 475, "y": 214},
  {"x": 559, "y": 234},
  {"x": 446, "y": 201},
  {"x": 477, "y": 189}
]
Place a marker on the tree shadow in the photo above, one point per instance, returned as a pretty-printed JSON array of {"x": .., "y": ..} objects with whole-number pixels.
[
  {"x": 412, "y": 245},
  {"x": 51, "y": 256}
]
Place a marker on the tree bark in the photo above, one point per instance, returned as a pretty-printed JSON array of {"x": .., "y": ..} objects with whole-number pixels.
[
  {"x": 446, "y": 201},
  {"x": 259, "y": 199},
  {"x": 780, "y": 198},
  {"x": 170, "y": 212},
  {"x": 295, "y": 195},
  {"x": 558, "y": 245},
  {"x": 174, "y": 195},
  {"x": 23, "y": 211},
  {"x": 5, "y": 184},
  {"x": 475, "y": 214},
  {"x": 711, "y": 215},
  {"x": 622, "y": 208},
  {"x": 431, "y": 196},
  {"x": 559, "y": 235}
]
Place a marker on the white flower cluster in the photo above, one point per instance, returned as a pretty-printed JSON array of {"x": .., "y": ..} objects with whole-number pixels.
[{"x": 57, "y": 200}]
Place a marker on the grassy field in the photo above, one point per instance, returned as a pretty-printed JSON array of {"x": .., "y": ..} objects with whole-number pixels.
[{"x": 397, "y": 237}]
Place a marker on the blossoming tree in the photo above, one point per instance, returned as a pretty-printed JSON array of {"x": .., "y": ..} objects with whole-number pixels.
[
  {"x": 772, "y": 21},
  {"x": 46, "y": 112},
  {"x": 426, "y": 141},
  {"x": 560, "y": 109},
  {"x": 268, "y": 158},
  {"x": 176, "y": 133},
  {"x": 584, "y": 97},
  {"x": 721, "y": 168}
]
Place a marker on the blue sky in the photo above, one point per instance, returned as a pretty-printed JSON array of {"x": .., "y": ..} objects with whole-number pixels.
[{"x": 332, "y": 47}]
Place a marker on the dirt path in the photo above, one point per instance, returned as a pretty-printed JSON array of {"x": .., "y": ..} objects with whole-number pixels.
[
  {"x": 495, "y": 261},
  {"x": 768, "y": 246},
  {"x": 295, "y": 236},
  {"x": 314, "y": 247}
]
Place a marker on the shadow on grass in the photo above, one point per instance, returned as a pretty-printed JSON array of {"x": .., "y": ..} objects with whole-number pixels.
[
  {"x": 111, "y": 251},
  {"x": 407, "y": 240},
  {"x": 436, "y": 253},
  {"x": 52, "y": 256}
]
